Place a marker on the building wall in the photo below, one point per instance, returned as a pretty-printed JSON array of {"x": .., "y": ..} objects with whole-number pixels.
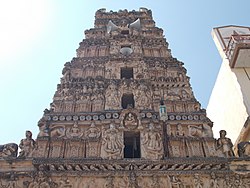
[{"x": 229, "y": 104}]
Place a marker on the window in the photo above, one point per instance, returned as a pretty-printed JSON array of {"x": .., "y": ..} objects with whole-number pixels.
[
  {"x": 127, "y": 72},
  {"x": 132, "y": 145},
  {"x": 128, "y": 101}
]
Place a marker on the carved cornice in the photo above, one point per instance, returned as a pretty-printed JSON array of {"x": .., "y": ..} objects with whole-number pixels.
[{"x": 100, "y": 166}]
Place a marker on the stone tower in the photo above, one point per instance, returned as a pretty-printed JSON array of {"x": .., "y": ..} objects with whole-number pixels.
[{"x": 124, "y": 115}]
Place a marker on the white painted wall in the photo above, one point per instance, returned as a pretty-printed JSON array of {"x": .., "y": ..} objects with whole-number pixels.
[{"x": 229, "y": 104}]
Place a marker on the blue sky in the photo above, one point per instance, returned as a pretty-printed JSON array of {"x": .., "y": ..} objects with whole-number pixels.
[{"x": 38, "y": 37}]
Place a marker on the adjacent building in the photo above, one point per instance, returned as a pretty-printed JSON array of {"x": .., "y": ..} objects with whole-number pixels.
[{"x": 229, "y": 105}]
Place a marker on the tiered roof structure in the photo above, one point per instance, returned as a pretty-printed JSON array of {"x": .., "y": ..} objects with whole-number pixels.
[{"x": 124, "y": 115}]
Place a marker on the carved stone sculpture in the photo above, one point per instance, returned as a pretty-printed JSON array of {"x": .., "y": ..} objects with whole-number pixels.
[
  {"x": 151, "y": 141},
  {"x": 214, "y": 181},
  {"x": 244, "y": 149},
  {"x": 197, "y": 181},
  {"x": 112, "y": 97},
  {"x": 40, "y": 180},
  {"x": 225, "y": 144},
  {"x": 112, "y": 143},
  {"x": 43, "y": 129},
  {"x": 175, "y": 182},
  {"x": 27, "y": 145},
  {"x": 93, "y": 132},
  {"x": 74, "y": 132},
  {"x": 8, "y": 150}
]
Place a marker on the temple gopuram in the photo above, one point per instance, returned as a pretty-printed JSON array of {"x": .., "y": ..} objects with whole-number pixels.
[{"x": 124, "y": 116}]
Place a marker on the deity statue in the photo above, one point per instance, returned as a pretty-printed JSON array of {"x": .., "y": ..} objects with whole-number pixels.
[
  {"x": 97, "y": 102},
  {"x": 74, "y": 132},
  {"x": 130, "y": 121},
  {"x": 152, "y": 146},
  {"x": 93, "y": 132},
  {"x": 112, "y": 98},
  {"x": 112, "y": 143},
  {"x": 225, "y": 144},
  {"x": 27, "y": 145}
]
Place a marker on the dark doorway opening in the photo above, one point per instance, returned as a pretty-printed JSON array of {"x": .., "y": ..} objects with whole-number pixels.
[
  {"x": 127, "y": 73},
  {"x": 128, "y": 101},
  {"x": 125, "y": 32},
  {"x": 132, "y": 144}
]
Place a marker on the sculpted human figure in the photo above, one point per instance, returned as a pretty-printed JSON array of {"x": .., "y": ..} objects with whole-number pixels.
[
  {"x": 112, "y": 143},
  {"x": 97, "y": 102},
  {"x": 197, "y": 181},
  {"x": 152, "y": 143},
  {"x": 112, "y": 98},
  {"x": 93, "y": 132},
  {"x": 130, "y": 121},
  {"x": 225, "y": 144},
  {"x": 74, "y": 132},
  {"x": 175, "y": 182},
  {"x": 27, "y": 145}
]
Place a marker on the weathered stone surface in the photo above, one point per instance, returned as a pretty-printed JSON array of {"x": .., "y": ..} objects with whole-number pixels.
[{"x": 103, "y": 128}]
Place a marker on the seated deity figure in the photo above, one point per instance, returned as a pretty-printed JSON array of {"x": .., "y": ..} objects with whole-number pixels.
[
  {"x": 27, "y": 145},
  {"x": 74, "y": 132},
  {"x": 152, "y": 146},
  {"x": 225, "y": 144},
  {"x": 112, "y": 143},
  {"x": 93, "y": 132},
  {"x": 130, "y": 121}
]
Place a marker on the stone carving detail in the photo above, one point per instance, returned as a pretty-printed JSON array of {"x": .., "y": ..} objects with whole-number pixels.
[
  {"x": 225, "y": 145},
  {"x": 93, "y": 132},
  {"x": 43, "y": 128},
  {"x": 244, "y": 149},
  {"x": 175, "y": 182},
  {"x": 11, "y": 181},
  {"x": 151, "y": 142},
  {"x": 74, "y": 131},
  {"x": 82, "y": 136},
  {"x": 8, "y": 150},
  {"x": 27, "y": 145},
  {"x": 200, "y": 131},
  {"x": 40, "y": 180},
  {"x": 130, "y": 121},
  {"x": 97, "y": 102},
  {"x": 214, "y": 183},
  {"x": 112, "y": 143},
  {"x": 109, "y": 182},
  {"x": 142, "y": 97},
  {"x": 112, "y": 97},
  {"x": 197, "y": 181},
  {"x": 64, "y": 182},
  {"x": 57, "y": 131},
  {"x": 133, "y": 181}
]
